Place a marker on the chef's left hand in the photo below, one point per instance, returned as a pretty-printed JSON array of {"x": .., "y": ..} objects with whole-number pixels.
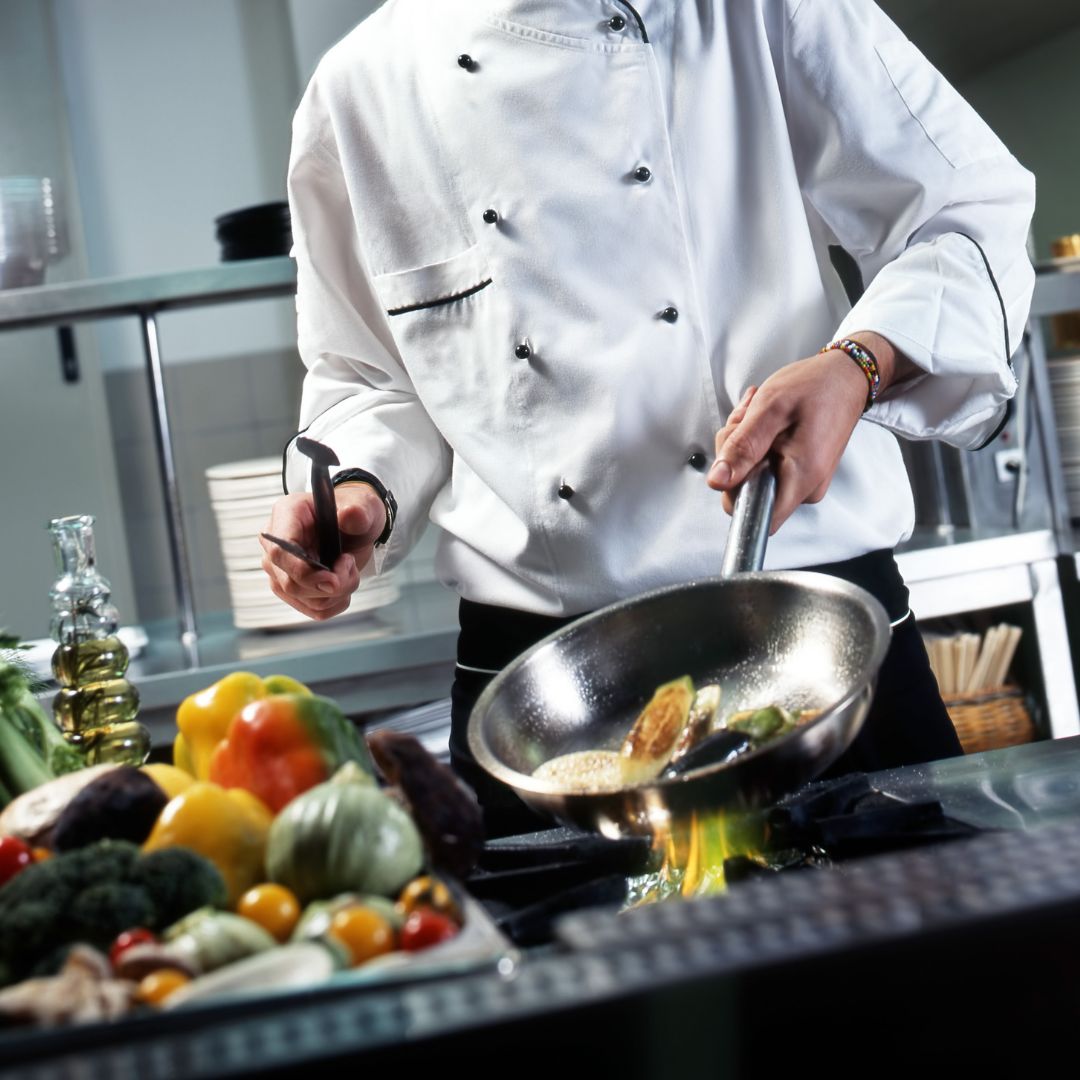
[{"x": 803, "y": 416}]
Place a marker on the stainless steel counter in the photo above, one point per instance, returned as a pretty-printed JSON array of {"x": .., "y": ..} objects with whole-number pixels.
[{"x": 1022, "y": 787}]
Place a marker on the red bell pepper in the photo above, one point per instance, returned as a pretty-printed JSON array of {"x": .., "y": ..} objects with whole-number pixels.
[{"x": 283, "y": 745}]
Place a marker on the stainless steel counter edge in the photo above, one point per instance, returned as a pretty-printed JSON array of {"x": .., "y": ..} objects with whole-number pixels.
[
  {"x": 350, "y": 661},
  {"x": 941, "y": 557}
]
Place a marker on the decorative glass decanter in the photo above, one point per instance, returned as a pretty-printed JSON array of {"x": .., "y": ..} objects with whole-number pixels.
[{"x": 96, "y": 706}]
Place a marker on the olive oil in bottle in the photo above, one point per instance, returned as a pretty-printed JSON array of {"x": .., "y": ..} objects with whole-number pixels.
[{"x": 96, "y": 706}]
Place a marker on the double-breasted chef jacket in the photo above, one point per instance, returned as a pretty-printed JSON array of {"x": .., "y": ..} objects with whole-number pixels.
[{"x": 544, "y": 246}]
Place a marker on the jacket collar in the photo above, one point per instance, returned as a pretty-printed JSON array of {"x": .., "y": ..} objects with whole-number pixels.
[{"x": 574, "y": 18}]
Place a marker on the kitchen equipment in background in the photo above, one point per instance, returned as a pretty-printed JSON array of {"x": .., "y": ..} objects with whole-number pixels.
[
  {"x": 1066, "y": 327},
  {"x": 796, "y": 639},
  {"x": 255, "y": 232},
  {"x": 1065, "y": 395},
  {"x": 96, "y": 706},
  {"x": 242, "y": 495},
  {"x": 24, "y": 246}
]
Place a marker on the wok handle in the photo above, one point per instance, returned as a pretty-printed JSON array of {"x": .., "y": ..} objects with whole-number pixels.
[{"x": 748, "y": 534}]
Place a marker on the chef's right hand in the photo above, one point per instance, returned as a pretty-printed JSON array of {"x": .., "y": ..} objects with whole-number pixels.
[{"x": 322, "y": 594}]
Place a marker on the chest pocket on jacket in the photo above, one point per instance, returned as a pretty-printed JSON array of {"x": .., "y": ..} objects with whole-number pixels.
[
  {"x": 453, "y": 281},
  {"x": 951, "y": 124}
]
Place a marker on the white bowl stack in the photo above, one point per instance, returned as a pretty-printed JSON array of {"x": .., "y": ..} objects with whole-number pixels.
[
  {"x": 242, "y": 494},
  {"x": 1065, "y": 392}
]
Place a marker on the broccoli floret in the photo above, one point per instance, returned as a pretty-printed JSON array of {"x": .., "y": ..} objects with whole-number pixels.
[
  {"x": 95, "y": 892},
  {"x": 179, "y": 881},
  {"x": 102, "y": 911},
  {"x": 30, "y": 929},
  {"x": 86, "y": 895},
  {"x": 96, "y": 864}
]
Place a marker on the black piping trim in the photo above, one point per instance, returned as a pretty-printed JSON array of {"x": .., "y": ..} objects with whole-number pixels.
[
  {"x": 1008, "y": 343},
  {"x": 641, "y": 25},
  {"x": 1006, "y": 417},
  {"x": 1001, "y": 301},
  {"x": 440, "y": 301},
  {"x": 285, "y": 457}
]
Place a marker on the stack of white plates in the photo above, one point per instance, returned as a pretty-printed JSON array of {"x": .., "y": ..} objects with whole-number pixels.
[
  {"x": 242, "y": 494},
  {"x": 1065, "y": 392}
]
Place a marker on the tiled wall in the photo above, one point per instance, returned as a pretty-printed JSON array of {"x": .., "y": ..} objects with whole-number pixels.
[{"x": 221, "y": 411}]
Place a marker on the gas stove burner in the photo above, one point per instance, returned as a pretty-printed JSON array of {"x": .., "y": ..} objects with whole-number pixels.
[
  {"x": 848, "y": 818},
  {"x": 527, "y": 881}
]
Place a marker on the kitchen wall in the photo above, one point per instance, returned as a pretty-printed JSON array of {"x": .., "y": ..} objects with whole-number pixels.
[
  {"x": 181, "y": 112},
  {"x": 56, "y": 456},
  {"x": 1033, "y": 102}
]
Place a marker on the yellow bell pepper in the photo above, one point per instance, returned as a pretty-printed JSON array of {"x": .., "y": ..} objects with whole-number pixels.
[
  {"x": 227, "y": 827},
  {"x": 204, "y": 718},
  {"x": 169, "y": 778}
]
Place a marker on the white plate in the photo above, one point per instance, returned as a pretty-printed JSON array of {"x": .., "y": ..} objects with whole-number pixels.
[
  {"x": 239, "y": 470},
  {"x": 246, "y": 528},
  {"x": 244, "y": 507},
  {"x": 256, "y": 487}
]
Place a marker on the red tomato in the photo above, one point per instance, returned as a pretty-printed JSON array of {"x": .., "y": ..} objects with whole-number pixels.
[
  {"x": 14, "y": 856},
  {"x": 425, "y": 927},
  {"x": 138, "y": 935}
]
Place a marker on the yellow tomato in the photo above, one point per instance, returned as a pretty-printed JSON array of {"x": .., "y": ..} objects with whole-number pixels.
[
  {"x": 364, "y": 932},
  {"x": 273, "y": 907},
  {"x": 428, "y": 892},
  {"x": 158, "y": 985}
]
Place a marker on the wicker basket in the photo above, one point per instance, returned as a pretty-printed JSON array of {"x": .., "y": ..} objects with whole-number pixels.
[{"x": 991, "y": 719}]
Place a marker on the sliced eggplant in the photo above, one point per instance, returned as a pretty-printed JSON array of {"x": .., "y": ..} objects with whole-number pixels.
[{"x": 717, "y": 749}]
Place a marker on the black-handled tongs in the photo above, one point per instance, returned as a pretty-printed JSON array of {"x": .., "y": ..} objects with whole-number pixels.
[{"x": 326, "y": 526}]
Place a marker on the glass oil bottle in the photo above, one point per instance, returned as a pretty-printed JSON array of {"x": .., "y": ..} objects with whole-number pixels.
[{"x": 96, "y": 706}]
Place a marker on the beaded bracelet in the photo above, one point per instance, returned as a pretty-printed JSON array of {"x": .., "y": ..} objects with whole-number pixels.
[{"x": 867, "y": 365}]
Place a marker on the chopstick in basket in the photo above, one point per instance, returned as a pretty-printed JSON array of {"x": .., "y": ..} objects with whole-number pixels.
[{"x": 1006, "y": 654}]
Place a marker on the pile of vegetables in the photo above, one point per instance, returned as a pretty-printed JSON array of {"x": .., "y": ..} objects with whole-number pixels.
[{"x": 268, "y": 853}]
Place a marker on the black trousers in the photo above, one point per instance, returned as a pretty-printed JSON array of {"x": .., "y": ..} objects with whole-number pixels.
[{"x": 907, "y": 723}]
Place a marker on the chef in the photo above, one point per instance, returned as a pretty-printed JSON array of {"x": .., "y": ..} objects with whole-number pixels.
[{"x": 567, "y": 269}]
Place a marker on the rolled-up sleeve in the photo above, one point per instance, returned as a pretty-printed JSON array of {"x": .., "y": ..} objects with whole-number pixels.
[
  {"x": 916, "y": 187},
  {"x": 358, "y": 398}
]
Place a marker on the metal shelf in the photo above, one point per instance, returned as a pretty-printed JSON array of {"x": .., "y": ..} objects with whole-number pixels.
[
  {"x": 54, "y": 305},
  {"x": 145, "y": 298}
]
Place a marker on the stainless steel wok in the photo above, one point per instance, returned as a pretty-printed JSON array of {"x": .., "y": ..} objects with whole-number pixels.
[{"x": 798, "y": 639}]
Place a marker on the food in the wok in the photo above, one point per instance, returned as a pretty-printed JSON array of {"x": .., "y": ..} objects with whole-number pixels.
[{"x": 679, "y": 731}]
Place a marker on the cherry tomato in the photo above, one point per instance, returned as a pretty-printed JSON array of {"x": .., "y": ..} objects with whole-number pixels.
[
  {"x": 273, "y": 907},
  {"x": 158, "y": 985},
  {"x": 426, "y": 927},
  {"x": 364, "y": 932},
  {"x": 427, "y": 892},
  {"x": 15, "y": 856},
  {"x": 137, "y": 935}
]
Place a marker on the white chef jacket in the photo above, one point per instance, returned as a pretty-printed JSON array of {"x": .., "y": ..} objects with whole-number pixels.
[{"x": 543, "y": 247}]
